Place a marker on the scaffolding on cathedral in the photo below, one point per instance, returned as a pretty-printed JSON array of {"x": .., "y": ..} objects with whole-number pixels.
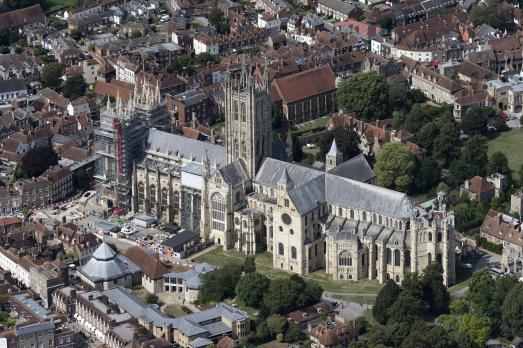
[{"x": 119, "y": 141}]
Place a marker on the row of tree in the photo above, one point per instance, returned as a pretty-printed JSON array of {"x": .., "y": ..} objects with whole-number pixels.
[
  {"x": 491, "y": 308},
  {"x": 272, "y": 298}
]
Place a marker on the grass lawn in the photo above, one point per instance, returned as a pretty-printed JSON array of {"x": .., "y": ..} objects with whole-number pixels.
[
  {"x": 173, "y": 310},
  {"x": 462, "y": 278},
  {"x": 220, "y": 258},
  {"x": 363, "y": 299},
  {"x": 141, "y": 293},
  {"x": 511, "y": 145},
  {"x": 56, "y": 5}
]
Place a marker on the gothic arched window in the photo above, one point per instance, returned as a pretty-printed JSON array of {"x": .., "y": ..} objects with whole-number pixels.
[
  {"x": 244, "y": 149},
  {"x": 430, "y": 236},
  {"x": 397, "y": 257},
  {"x": 345, "y": 258},
  {"x": 152, "y": 193},
  {"x": 293, "y": 252},
  {"x": 440, "y": 237},
  {"x": 389, "y": 256},
  {"x": 352, "y": 214},
  {"x": 165, "y": 194},
  {"x": 243, "y": 112},
  {"x": 280, "y": 249},
  {"x": 236, "y": 149},
  {"x": 235, "y": 110},
  {"x": 141, "y": 190},
  {"x": 218, "y": 212}
]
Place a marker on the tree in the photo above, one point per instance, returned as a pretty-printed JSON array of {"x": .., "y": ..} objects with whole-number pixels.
[
  {"x": 135, "y": 33},
  {"x": 74, "y": 87},
  {"x": 498, "y": 163},
  {"x": 426, "y": 136},
  {"x": 310, "y": 294},
  {"x": 82, "y": 180},
  {"x": 481, "y": 290},
  {"x": 477, "y": 327},
  {"x": 512, "y": 312},
  {"x": 75, "y": 34},
  {"x": 489, "y": 13},
  {"x": 502, "y": 286},
  {"x": 435, "y": 292},
  {"x": 475, "y": 120},
  {"x": 347, "y": 141},
  {"x": 386, "y": 297},
  {"x": 446, "y": 145},
  {"x": 220, "y": 284},
  {"x": 249, "y": 265},
  {"x": 472, "y": 161},
  {"x": 38, "y": 160},
  {"x": 362, "y": 325},
  {"x": 366, "y": 94},
  {"x": 399, "y": 97},
  {"x": 151, "y": 299},
  {"x": 427, "y": 174},
  {"x": 282, "y": 296},
  {"x": 215, "y": 17},
  {"x": 251, "y": 288},
  {"x": 51, "y": 74},
  {"x": 276, "y": 324},
  {"x": 263, "y": 333},
  {"x": 386, "y": 22},
  {"x": 394, "y": 166},
  {"x": 294, "y": 333},
  {"x": 408, "y": 307}
]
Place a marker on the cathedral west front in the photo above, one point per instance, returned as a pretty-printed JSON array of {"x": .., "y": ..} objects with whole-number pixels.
[{"x": 241, "y": 198}]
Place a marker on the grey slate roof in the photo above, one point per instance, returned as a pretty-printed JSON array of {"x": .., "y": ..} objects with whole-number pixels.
[
  {"x": 7, "y": 86},
  {"x": 193, "y": 277},
  {"x": 200, "y": 342},
  {"x": 179, "y": 238},
  {"x": 355, "y": 194},
  {"x": 271, "y": 171},
  {"x": 338, "y": 5},
  {"x": 32, "y": 328},
  {"x": 356, "y": 168},
  {"x": 172, "y": 143},
  {"x": 309, "y": 190},
  {"x": 234, "y": 173},
  {"x": 189, "y": 325},
  {"x": 105, "y": 265}
]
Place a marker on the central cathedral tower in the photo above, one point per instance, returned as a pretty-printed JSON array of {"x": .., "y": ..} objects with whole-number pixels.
[{"x": 248, "y": 118}]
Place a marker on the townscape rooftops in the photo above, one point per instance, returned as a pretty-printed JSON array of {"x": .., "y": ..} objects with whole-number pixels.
[{"x": 495, "y": 226}]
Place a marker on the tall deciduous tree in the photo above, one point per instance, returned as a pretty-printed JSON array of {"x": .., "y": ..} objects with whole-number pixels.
[
  {"x": 395, "y": 166},
  {"x": 475, "y": 120},
  {"x": 251, "y": 288},
  {"x": 51, "y": 74},
  {"x": 74, "y": 87},
  {"x": 366, "y": 94},
  {"x": 38, "y": 160},
  {"x": 488, "y": 12},
  {"x": 386, "y": 297},
  {"x": 512, "y": 312}
]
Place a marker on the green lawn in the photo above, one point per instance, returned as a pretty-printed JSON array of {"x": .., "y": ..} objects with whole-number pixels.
[
  {"x": 511, "y": 144},
  {"x": 220, "y": 258},
  {"x": 56, "y": 5},
  {"x": 363, "y": 299}
]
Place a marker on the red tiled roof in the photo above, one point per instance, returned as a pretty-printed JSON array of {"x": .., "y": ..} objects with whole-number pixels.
[
  {"x": 480, "y": 185},
  {"x": 21, "y": 16},
  {"x": 494, "y": 226},
  {"x": 305, "y": 84},
  {"x": 150, "y": 266}
]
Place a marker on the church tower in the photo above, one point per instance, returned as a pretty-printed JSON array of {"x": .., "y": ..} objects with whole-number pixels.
[
  {"x": 334, "y": 157},
  {"x": 248, "y": 118}
]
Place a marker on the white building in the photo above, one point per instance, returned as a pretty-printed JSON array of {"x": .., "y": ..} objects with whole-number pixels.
[
  {"x": 11, "y": 89},
  {"x": 205, "y": 44}
]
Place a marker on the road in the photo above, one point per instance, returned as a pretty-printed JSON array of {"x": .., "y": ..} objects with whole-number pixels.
[{"x": 487, "y": 260}]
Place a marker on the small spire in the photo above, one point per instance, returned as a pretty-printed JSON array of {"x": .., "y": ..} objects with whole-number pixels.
[
  {"x": 285, "y": 178},
  {"x": 334, "y": 151}
]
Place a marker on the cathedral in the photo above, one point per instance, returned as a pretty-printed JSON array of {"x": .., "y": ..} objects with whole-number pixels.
[{"x": 309, "y": 219}]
